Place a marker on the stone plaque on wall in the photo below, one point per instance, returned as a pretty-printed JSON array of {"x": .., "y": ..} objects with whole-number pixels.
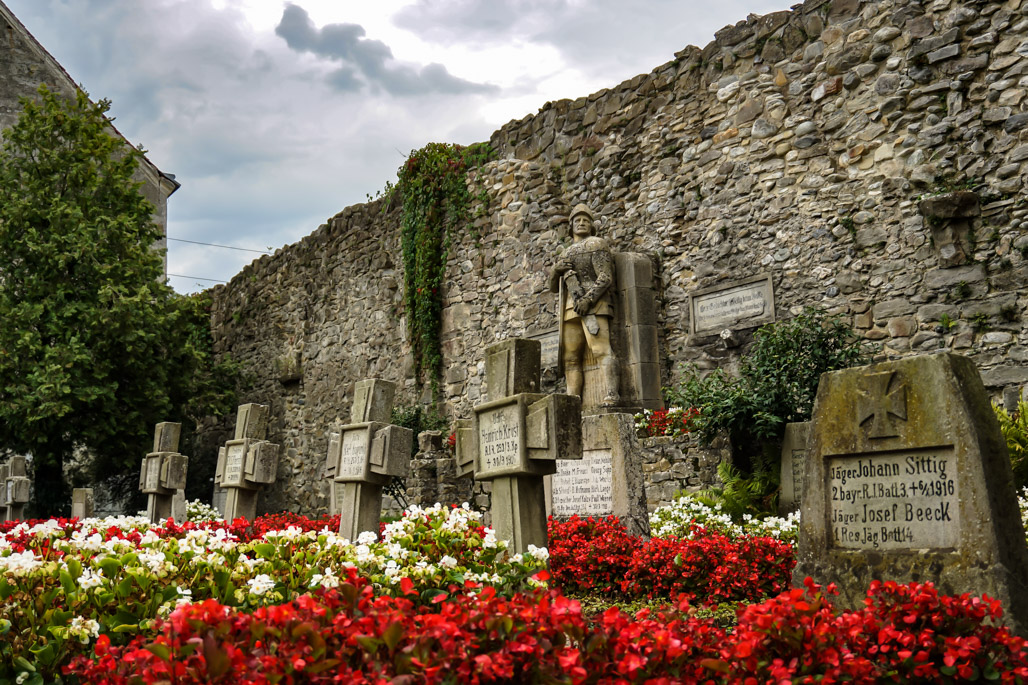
[
  {"x": 740, "y": 304},
  {"x": 908, "y": 479},
  {"x": 550, "y": 352}
]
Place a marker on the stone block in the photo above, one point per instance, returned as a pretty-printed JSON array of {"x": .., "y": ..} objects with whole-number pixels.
[
  {"x": 639, "y": 306},
  {"x": 372, "y": 401},
  {"x": 166, "y": 437},
  {"x": 173, "y": 469},
  {"x": 794, "y": 464},
  {"x": 82, "y": 503},
  {"x": 261, "y": 462},
  {"x": 634, "y": 270},
  {"x": 553, "y": 428},
  {"x": 390, "y": 451},
  {"x": 909, "y": 479},
  {"x": 513, "y": 367},
  {"x": 251, "y": 422}
]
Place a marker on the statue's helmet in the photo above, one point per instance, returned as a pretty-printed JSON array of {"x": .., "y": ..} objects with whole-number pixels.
[{"x": 581, "y": 209}]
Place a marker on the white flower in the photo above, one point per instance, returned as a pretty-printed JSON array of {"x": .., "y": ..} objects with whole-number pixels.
[
  {"x": 366, "y": 538},
  {"x": 185, "y": 595},
  {"x": 90, "y": 578},
  {"x": 328, "y": 579},
  {"x": 540, "y": 553},
  {"x": 21, "y": 562},
  {"x": 448, "y": 562},
  {"x": 489, "y": 541},
  {"x": 260, "y": 584},
  {"x": 83, "y": 629}
]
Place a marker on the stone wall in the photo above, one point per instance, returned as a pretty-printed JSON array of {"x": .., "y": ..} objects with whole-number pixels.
[{"x": 798, "y": 146}]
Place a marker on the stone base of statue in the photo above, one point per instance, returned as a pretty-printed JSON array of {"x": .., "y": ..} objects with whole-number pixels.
[{"x": 608, "y": 480}]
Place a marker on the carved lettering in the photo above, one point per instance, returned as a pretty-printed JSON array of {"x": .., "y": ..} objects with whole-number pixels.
[
  {"x": 353, "y": 458},
  {"x": 499, "y": 439},
  {"x": 583, "y": 486},
  {"x": 898, "y": 500},
  {"x": 748, "y": 304}
]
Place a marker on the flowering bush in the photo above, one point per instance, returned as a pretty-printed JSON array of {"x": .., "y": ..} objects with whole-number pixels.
[
  {"x": 588, "y": 555},
  {"x": 685, "y": 514},
  {"x": 906, "y": 633},
  {"x": 117, "y": 576},
  {"x": 673, "y": 421},
  {"x": 199, "y": 511}
]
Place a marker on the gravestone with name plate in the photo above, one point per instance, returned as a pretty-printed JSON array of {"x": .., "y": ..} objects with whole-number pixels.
[
  {"x": 16, "y": 486},
  {"x": 908, "y": 478},
  {"x": 82, "y": 503},
  {"x": 162, "y": 475},
  {"x": 608, "y": 480},
  {"x": 794, "y": 460},
  {"x": 364, "y": 456},
  {"x": 515, "y": 438},
  {"x": 245, "y": 463}
]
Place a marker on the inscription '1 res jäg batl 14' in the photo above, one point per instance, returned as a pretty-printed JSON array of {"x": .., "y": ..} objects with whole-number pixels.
[{"x": 900, "y": 500}]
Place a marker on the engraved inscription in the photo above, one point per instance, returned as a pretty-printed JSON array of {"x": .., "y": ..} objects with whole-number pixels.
[
  {"x": 234, "y": 465},
  {"x": 898, "y": 500},
  {"x": 353, "y": 459},
  {"x": 583, "y": 486},
  {"x": 499, "y": 438},
  {"x": 799, "y": 468},
  {"x": 731, "y": 306}
]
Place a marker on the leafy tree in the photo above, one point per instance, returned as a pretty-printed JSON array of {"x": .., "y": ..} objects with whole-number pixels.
[{"x": 94, "y": 348}]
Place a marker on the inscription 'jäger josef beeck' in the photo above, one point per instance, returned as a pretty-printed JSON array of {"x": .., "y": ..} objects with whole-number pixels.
[{"x": 894, "y": 501}]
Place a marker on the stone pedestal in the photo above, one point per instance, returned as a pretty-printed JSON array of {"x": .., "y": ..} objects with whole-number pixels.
[
  {"x": 16, "y": 486},
  {"x": 82, "y": 503},
  {"x": 162, "y": 475},
  {"x": 245, "y": 463},
  {"x": 608, "y": 480}
]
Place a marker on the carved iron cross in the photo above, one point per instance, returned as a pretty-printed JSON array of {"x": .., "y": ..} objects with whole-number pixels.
[{"x": 879, "y": 404}]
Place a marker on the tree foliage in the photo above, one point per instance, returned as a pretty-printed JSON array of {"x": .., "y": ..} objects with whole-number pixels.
[{"x": 95, "y": 349}]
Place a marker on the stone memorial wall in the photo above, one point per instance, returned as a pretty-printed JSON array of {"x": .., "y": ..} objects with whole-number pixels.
[{"x": 798, "y": 147}]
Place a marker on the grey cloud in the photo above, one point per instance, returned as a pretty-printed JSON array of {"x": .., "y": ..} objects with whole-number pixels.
[{"x": 367, "y": 58}]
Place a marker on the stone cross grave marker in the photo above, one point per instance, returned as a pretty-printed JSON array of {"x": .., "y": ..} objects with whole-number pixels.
[
  {"x": 364, "y": 456},
  {"x": 162, "y": 475},
  {"x": 516, "y": 438},
  {"x": 82, "y": 503},
  {"x": 908, "y": 478},
  {"x": 245, "y": 463},
  {"x": 15, "y": 484}
]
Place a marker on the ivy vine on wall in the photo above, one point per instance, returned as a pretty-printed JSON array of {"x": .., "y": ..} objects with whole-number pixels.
[{"x": 436, "y": 201}]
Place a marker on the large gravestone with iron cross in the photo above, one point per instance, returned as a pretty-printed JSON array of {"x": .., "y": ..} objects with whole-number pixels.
[
  {"x": 162, "y": 475},
  {"x": 15, "y": 483},
  {"x": 516, "y": 438},
  {"x": 364, "y": 456},
  {"x": 245, "y": 463},
  {"x": 907, "y": 478}
]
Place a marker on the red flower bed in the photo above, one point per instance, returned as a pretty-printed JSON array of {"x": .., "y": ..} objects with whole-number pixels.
[
  {"x": 905, "y": 634},
  {"x": 589, "y": 555}
]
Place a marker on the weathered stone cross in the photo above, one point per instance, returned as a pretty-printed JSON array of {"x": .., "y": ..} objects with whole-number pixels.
[
  {"x": 162, "y": 475},
  {"x": 245, "y": 463},
  {"x": 515, "y": 439},
  {"x": 880, "y": 405},
  {"x": 15, "y": 489},
  {"x": 365, "y": 455}
]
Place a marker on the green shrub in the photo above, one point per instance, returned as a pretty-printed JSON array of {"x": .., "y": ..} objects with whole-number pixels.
[
  {"x": 776, "y": 385},
  {"x": 1014, "y": 427}
]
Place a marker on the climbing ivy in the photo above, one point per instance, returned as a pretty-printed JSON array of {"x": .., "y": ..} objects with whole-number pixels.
[{"x": 436, "y": 204}]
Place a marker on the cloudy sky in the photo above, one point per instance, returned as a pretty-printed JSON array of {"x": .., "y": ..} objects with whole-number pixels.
[{"x": 276, "y": 115}]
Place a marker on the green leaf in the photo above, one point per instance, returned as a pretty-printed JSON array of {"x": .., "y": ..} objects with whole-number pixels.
[
  {"x": 265, "y": 550},
  {"x": 392, "y": 635},
  {"x": 161, "y": 651}
]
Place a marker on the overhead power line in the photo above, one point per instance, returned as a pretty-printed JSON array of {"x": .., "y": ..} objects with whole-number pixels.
[
  {"x": 212, "y": 280},
  {"x": 227, "y": 247}
]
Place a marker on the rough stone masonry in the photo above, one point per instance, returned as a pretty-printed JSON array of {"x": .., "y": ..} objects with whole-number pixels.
[{"x": 798, "y": 146}]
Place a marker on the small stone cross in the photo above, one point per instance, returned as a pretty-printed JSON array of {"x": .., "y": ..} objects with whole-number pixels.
[
  {"x": 15, "y": 485},
  {"x": 880, "y": 404},
  {"x": 245, "y": 463},
  {"x": 515, "y": 438},
  {"x": 162, "y": 475},
  {"x": 365, "y": 455}
]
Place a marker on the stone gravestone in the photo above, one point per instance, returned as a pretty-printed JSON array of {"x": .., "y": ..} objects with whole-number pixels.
[
  {"x": 245, "y": 463},
  {"x": 608, "y": 480},
  {"x": 908, "y": 479},
  {"x": 5, "y": 471},
  {"x": 82, "y": 503},
  {"x": 364, "y": 456},
  {"x": 516, "y": 438},
  {"x": 16, "y": 488},
  {"x": 794, "y": 460},
  {"x": 162, "y": 475}
]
